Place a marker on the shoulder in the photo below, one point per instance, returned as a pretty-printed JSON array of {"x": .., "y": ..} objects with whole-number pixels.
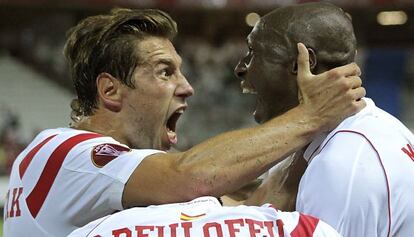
[
  {"x": 372, "y": 122},
  {"x": 344, "y": 158},
  {"x": 86, "y": 151}
]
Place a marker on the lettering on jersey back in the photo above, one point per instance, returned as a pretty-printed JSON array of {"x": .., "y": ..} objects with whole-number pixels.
[
  {"x": 254, "y": 226},
  {"x": 230, "y": 227},
  {"x": 279, "y": 224},
  {"x": 187, "y": 226},
  {"x": 408, "y": 149},
  {"x": 124, "y": 232},
  {"x": 173, "y": 230},
  {"x": 12, "y": 207},
  {"x": 214, "y": 227},
  {"x": 141, "y": 230},
  {"x": 102, "y": 154}
]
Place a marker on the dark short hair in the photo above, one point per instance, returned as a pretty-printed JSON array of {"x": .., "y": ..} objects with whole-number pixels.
[
  {"x": 324, "y": 27},
  {"x": 107, "y": 43}
]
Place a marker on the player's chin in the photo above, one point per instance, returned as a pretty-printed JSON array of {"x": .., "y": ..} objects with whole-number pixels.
[
  {"x": 259, "y": 116},
  {"x": 259, "y": 111},
  {"x": 165, "y": 147},
  {"x": 164, "y": 144}
]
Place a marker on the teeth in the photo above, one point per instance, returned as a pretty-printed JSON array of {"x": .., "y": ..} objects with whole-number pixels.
[
  {"x": 180, "y": 111},
  {"x": 246, "y": 88},
  {"x": 249, "y": 91}
]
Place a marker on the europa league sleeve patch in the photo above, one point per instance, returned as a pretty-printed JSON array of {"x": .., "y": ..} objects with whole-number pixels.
[{"x": 102, "y": 154}]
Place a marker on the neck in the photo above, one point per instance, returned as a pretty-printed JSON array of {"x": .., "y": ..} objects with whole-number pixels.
[{"x": 101, "y": 123}]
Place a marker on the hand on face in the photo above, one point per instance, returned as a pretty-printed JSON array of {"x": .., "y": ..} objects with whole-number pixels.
[{"x": 331, "y": 96}]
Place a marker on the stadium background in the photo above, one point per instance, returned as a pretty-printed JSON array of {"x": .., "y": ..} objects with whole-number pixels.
[{"x": 36, "y": 90}]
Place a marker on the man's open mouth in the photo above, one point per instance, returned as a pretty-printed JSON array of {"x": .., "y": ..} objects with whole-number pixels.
[
  {"x": 247, "y": 88},
  {"x": 172, "y": 123}
]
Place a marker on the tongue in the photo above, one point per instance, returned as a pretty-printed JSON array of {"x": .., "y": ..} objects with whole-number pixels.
[{"x": 172, "y": 137}]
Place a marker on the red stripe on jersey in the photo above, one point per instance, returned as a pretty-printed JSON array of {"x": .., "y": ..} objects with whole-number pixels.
[
  {"x": 280, "y": 229},
  {"x": 37, "y": 197},
  {"x": 306, "y": 226},
  {"x": 28, "y": 158}
]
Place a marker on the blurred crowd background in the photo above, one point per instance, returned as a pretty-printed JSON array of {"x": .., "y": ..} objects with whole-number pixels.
[{"x": 36, "y": 89}]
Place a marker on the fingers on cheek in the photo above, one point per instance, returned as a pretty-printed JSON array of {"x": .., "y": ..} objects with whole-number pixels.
[
  {"x": 364, "y": 92},
  {"x": 355, "y": 81},
  {"x": 357, "y": 69},
  {"x": 359, "y": 81},
  {"x": 360, "y": 92},
  {"x": 350, "y": 96},
  {"x": 333, "y": 75},
  {"x": 357, "y": 94},
  {"x": 349, "y": 70},
  {"x": 357, "y": 106},
  {"x": 343, "y": 85}
]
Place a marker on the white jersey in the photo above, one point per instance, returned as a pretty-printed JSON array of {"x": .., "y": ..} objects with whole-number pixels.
[
  {"x": 204, "y": 217},
  {"x": 360, "y": 177},
  {"x": 64, "y": 179}
]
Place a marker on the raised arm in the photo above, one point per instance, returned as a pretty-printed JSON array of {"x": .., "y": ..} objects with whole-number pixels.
[{"x": 226, "y": 162}]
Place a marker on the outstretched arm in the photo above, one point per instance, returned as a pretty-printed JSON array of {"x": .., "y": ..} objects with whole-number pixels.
[{"x": 226, "y": 162}]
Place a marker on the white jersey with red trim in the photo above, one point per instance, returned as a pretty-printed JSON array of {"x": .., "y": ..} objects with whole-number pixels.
[
  {"x": 360, "y": 177},
  {"x": 205, "y": 217},
  {"x": 64, "y": 179}
]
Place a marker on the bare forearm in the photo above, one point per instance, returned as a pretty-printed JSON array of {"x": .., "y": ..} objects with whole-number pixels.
[{"x": 226, "y": 162}]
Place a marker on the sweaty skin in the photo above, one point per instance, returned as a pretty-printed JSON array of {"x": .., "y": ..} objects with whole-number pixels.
[{"x": 221, "y": 164}]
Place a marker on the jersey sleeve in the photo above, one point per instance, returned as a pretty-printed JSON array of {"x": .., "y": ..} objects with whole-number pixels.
[
  {"x": 119, "y": 170},
  {"x": 96, "y": 184},
  {"x": 344, "y": 185},
  {"x": 109, "y": 165}
]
